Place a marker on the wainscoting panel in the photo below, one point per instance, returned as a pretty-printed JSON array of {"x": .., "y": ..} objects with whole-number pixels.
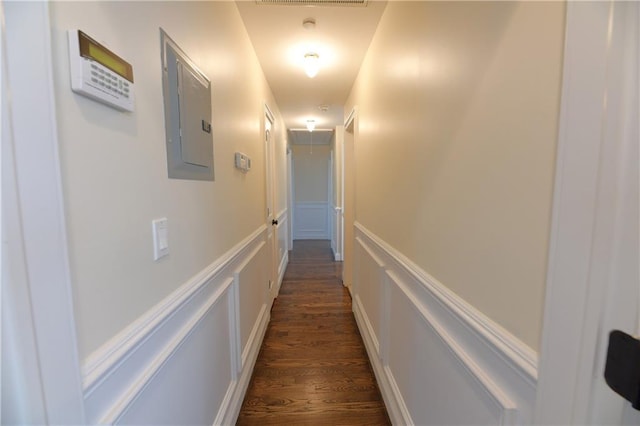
[
  {"x": 253, "y": 293},
  {"x": 336, "y": 232},
  {"x": 437, "y": 359},
  {"x": 191, "y": 385},
  {"x": 189, "y": 359},
  {"x": 368, "y": 287},
  {"x": 311, "y": 221}
]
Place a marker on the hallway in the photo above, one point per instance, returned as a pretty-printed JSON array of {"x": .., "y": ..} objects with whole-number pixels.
[
  {"x": 312, "y": 367},
  {"x": 481, "y": 195}
]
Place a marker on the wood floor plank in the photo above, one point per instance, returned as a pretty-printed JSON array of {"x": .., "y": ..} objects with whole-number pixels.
[{"x": 313, "y": 368}]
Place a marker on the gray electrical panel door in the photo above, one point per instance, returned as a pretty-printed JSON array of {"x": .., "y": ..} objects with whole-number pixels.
[
  {"x": 187, "y": 104},
  {"x": 195, "y": 107}
]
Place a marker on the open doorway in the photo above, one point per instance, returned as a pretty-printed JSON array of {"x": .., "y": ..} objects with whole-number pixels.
[
  {"x": 349, "y": 199},
  {"x": 311, "y": 159}
]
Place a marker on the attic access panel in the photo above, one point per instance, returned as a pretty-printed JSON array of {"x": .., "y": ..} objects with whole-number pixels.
[{"x": 187, "y": 110}]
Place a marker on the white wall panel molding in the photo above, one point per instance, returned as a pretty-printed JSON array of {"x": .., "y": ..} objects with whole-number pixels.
[
  {"x": 123, "y": 369},
  {"x": 504, "y": 408},
  {"x": 499, "y": 369},
  {"x": 134, "y": 388},
  {"x": 106, "y": 357},
  {"x": 311, "y": 221},
  {"x": 370, "y": 334},
  {"x": 258, "y": 328},
  {"x": 230, "y": 408},
  {"x": 252, "y": 290},
  {"x": 336, "y": 240},
  {"x": 513, "y": 350},
  {"x": 369, "y": 290}
]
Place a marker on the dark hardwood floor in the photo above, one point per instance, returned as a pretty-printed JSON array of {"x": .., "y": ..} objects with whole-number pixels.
[{"x": 313, "y": 368}]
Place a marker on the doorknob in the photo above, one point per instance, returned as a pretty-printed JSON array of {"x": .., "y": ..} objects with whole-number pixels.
[{"x": 274, "y": 222}]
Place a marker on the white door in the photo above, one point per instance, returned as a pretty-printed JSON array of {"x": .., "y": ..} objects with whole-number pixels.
[
  {"x": 272, "y": 222},
  {"x": 593, "y": 284}
]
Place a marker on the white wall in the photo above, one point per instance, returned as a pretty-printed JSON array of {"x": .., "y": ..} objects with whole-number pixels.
[
  {"x": 457, "y": 120},
  {"x": 455, "y": 147},
  {"x": 310, "y": 173},
  {"x": 114, "y": 163}
]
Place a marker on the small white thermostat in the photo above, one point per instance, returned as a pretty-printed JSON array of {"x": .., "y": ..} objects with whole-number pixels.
[
  {"x": 98, "y": 73},
  {"x": 242, "y": 162}
]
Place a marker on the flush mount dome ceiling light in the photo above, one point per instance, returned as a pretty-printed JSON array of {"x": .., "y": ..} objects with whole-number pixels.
[
  {"x": 311, "y": 64},
  {"x": 309, "y": 23}
]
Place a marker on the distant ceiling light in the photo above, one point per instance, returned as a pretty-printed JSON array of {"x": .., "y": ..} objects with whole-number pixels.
[
  {"x": 309, "y": 23},
  {"x": 311, "y": 125},
  {"x": 323, "y": 108},
  {"x": 311, "y": 64}
]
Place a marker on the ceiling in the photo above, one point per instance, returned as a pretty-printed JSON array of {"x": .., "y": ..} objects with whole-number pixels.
[{"x": 341, "y": 37}]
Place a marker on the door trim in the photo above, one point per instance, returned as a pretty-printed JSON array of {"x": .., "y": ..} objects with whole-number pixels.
[
  {"x": 41, "y": 215},
  {"x": 272, "y": 231},
  {"x": 576, "y": 251}
]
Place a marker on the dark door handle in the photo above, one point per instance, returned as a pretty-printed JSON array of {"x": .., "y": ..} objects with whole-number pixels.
[
  {"x": 622, "y": 369},
  {"x": 274, "y": 222}
]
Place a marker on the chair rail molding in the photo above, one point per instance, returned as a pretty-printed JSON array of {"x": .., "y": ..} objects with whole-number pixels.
[
  {"x": 415, "y": 329},
  {"x": 206, "y": 315}
]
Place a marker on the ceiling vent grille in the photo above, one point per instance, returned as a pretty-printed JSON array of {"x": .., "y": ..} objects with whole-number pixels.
[{"x": 356, "y": 3}]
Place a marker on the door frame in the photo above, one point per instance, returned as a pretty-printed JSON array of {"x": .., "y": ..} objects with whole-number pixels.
[
  {"x": 581, "y": 240},
  {"x": 350, "y": 127},
  {"x": 330, "y": 198},
  {"x": 41, "y": 216}
]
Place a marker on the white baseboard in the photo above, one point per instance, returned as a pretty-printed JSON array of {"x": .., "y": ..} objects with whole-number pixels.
[
  {"x": 425, "y": 342},
  {"x": 149, "y": 363}
]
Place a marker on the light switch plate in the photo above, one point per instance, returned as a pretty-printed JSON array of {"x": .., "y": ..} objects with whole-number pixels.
[{"x": 160, "y": 238}]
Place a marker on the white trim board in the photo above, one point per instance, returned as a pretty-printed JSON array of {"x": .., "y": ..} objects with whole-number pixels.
[{"x": 500, "y": 369}]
